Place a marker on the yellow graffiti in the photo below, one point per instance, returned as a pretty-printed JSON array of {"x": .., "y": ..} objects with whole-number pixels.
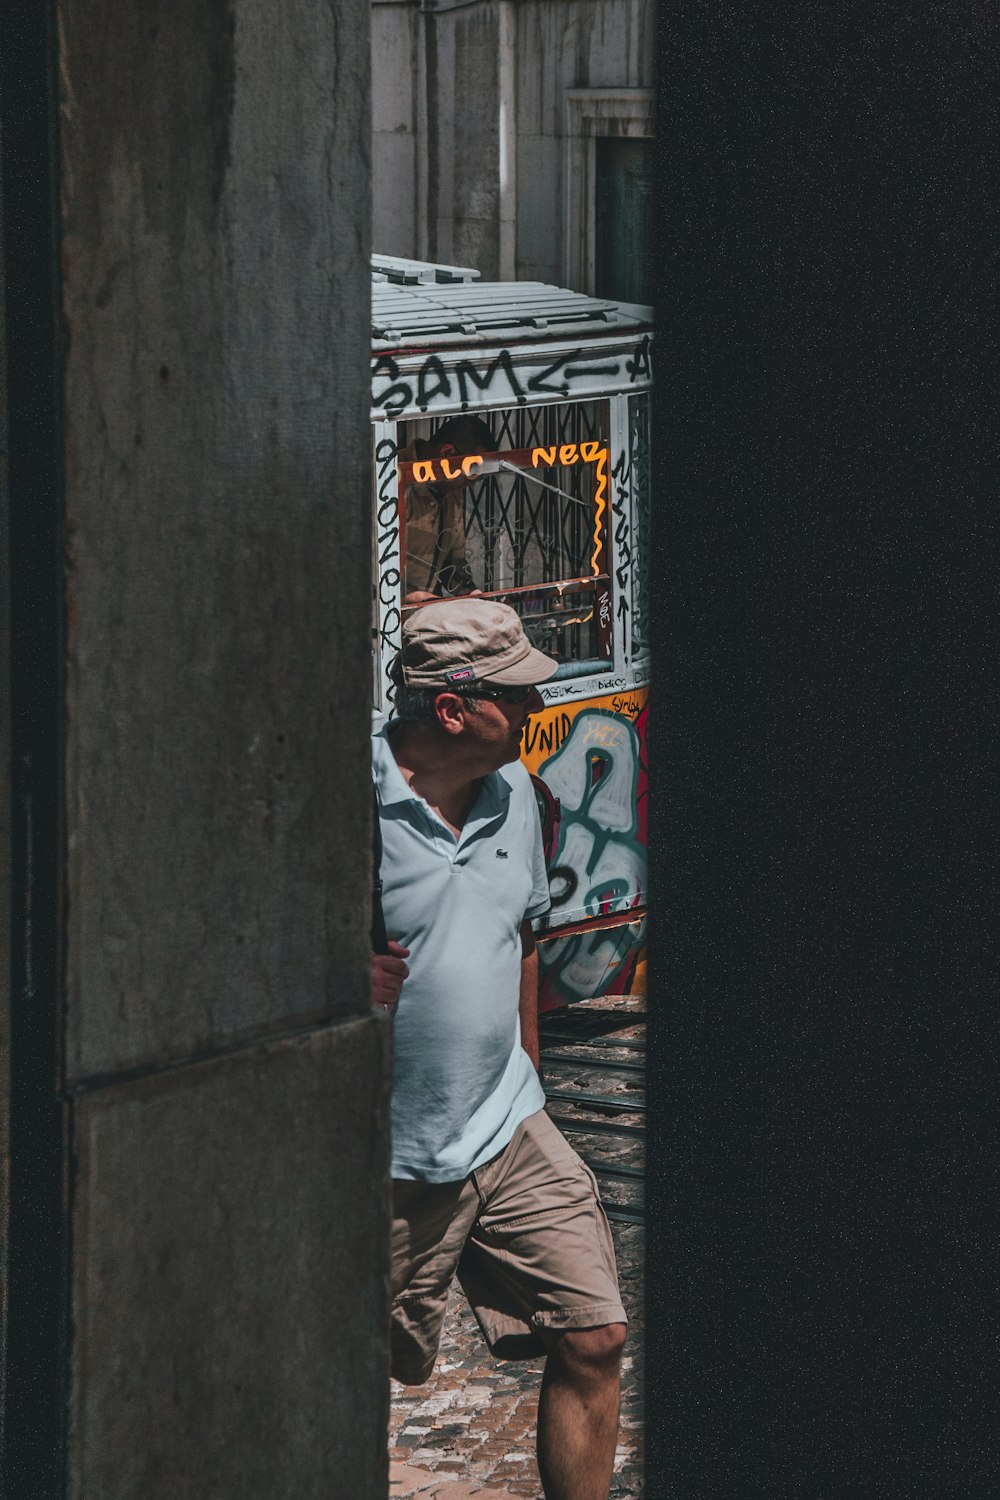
[
  {"x": 606, "y": 733},
  {"x": 548, "y": 728}
]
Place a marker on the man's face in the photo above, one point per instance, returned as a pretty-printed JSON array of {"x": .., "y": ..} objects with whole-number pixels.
[
  {"x": 495, "y": 726},
  {"x": 498, "y": 723}
]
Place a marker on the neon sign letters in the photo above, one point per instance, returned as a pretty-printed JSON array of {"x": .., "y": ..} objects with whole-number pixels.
[{"x": 433, "y": 471}]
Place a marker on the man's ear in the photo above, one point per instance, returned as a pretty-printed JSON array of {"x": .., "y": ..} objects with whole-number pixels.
[
  {"x": 450, "y": 709},
  {"x": 447, "y": 450}
]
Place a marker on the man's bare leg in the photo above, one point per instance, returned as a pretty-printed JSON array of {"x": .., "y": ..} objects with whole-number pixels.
[{"x": 578, "y": 1412}]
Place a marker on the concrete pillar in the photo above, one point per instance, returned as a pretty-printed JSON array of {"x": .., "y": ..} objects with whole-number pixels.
[{"x": 225, "y": 1085}]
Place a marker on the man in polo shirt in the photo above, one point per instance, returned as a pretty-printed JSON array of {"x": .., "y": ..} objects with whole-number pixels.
[{"x": 485, "y": 1187}]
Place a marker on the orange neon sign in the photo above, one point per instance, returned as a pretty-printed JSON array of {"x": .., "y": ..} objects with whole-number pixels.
[
  {"x": 562, "y": 455},
  {"x": 433, "y": 470},
  {"x": 426, "y": 471}
]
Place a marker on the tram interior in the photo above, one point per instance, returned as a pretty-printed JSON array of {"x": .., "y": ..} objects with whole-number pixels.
[{"x": 537, "y": 536}]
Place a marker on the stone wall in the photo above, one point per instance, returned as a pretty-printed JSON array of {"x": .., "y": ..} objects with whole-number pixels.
[{"x": 229, "y": 1150}]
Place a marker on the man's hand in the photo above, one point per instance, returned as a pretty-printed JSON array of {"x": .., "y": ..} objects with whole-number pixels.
[{"x": 388, "y": 973}]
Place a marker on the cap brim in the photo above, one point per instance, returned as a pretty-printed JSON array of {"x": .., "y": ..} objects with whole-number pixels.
[{"x": 535, "y": 667}]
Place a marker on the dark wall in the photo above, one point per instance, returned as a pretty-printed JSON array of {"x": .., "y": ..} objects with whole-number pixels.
[
  {"x": 191, "y": 527},
  {"x": 823, "y": 1013}
]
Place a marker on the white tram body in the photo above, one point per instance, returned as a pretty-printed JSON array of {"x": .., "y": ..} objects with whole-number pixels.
[{"x": 555, "y": 524}]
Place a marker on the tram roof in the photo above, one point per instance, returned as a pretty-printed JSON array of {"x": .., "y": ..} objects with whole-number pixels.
[
  {"x": 406, "y": 272},
  {"x": 423, "y": 304}
]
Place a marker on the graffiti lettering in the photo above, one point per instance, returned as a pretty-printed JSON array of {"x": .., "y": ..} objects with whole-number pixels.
[
  {"x": 585, "y": 965},
  {"x": 604, "y": 732},
  {"x": 388, "y": 584},
  {"x": 388, "y": 541},
  {"x": 558, "y": 690},
  {"x": 546, "y": 737},
  {"x": 540, "y": 382},
  {"x": 482, "y": 382},
  {"x": 573, "y": 370},
  {"x": 562, "y": 884},
  {"x": 399, "y": 394},
  {"x": 595, "y": 774},
  {"x": 426, "y": 391},
  {"x": 391, "y": 621},
  {"x": 598, "y": 868},
  {"x": 622, "y": 471},
  {"x": 433, "y": 384},
  {"x": 640, "y": 366}
]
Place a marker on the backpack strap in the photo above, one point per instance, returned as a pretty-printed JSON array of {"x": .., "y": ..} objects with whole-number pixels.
[{"x": 380, "y": 942}]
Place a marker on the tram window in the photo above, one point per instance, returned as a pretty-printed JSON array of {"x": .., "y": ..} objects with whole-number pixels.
[{"x": 526, "y": 523}]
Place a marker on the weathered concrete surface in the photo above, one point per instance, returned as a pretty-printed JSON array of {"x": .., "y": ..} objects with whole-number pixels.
[
  {"x": 215, "y": 210},
  {"x": 231, "y": 1337}
]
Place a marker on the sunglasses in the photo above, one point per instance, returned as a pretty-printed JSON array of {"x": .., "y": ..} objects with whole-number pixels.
[{"x": 498, "y": 693}]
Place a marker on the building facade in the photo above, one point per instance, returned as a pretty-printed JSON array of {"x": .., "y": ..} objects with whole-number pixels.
[{"x": 515, "y": 136}]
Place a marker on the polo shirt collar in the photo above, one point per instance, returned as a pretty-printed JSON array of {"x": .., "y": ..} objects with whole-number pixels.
[
  {"x": 389, "y": 778},
  {"x": 393, "y": 789}
]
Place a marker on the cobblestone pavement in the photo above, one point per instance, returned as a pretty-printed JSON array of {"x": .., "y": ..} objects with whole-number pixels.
[{"x": 470, "y": 1431}]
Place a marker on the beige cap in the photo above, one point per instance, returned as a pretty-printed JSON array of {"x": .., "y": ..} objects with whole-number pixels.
[{"x": 468, "y": 640}]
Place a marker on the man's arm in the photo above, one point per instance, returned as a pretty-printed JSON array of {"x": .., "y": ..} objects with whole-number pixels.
[{"x": 528, "y": 1004}]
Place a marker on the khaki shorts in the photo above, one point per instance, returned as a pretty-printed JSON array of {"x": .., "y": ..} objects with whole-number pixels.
[{"x": 528, "y": 1239}]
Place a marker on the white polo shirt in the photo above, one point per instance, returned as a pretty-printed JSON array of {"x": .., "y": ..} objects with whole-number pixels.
[{"x": 462, "y": 1081}]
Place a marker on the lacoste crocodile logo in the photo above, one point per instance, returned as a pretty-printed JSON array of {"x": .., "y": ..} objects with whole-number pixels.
[{"x": 501, "y": 854}]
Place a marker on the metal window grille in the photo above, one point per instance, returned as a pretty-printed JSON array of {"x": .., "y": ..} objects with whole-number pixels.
[{"x": 521, "y": 536}]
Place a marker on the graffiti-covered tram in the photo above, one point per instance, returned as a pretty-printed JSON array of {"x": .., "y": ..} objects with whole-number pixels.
[{"x": 551, "y": 518}]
